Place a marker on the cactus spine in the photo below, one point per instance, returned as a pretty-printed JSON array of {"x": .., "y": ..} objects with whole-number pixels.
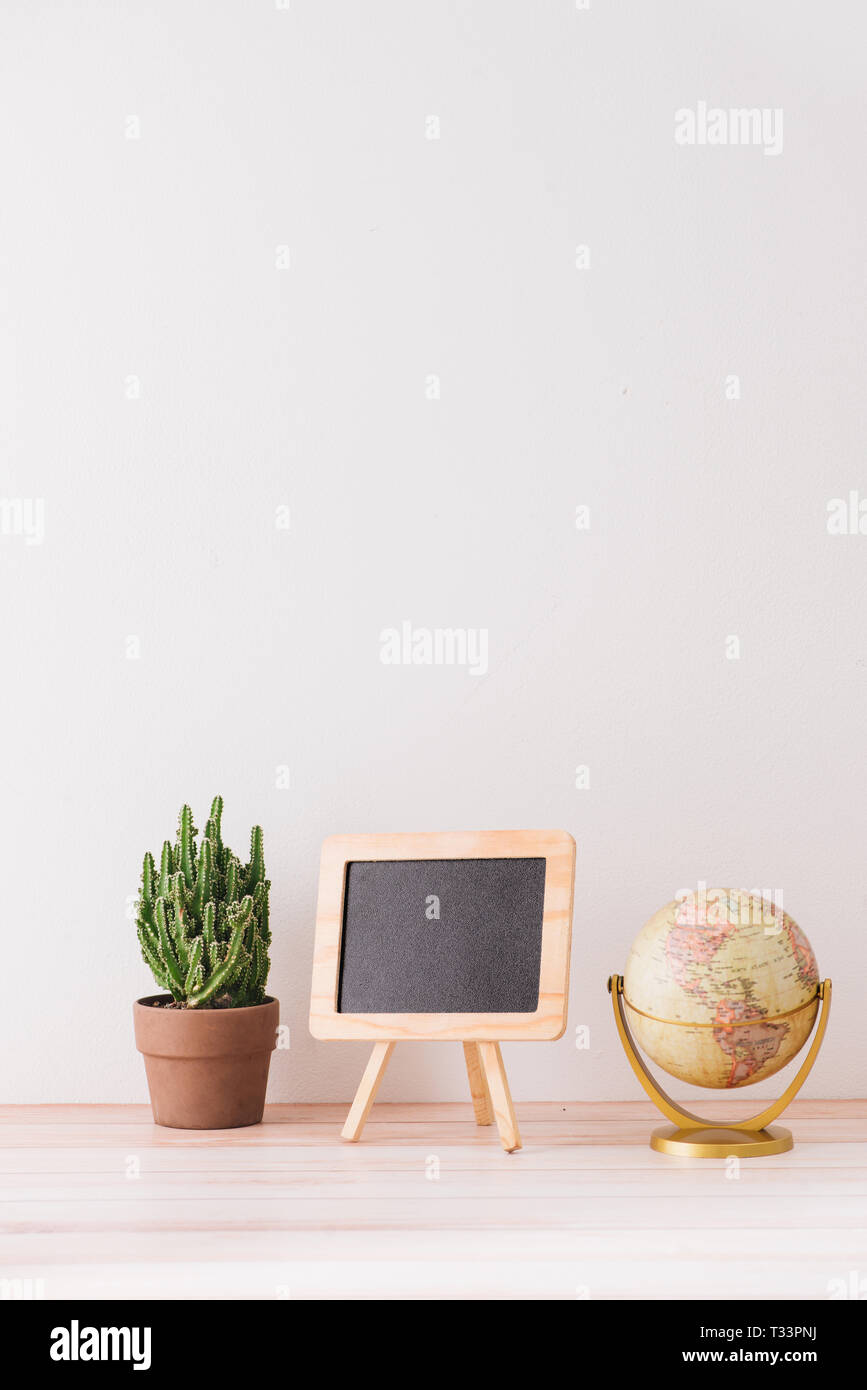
[{"x": 203, "y": 919}]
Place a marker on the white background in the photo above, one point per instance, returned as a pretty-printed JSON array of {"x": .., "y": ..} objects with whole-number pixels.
[{"x": 260, "y": 387}]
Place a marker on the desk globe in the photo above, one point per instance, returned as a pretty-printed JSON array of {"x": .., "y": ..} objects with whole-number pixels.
[{"x": 721, "y": 989}]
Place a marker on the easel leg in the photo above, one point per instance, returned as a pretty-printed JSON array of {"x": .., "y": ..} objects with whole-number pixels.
[
  {"x": 484, "y": 1111},
  {"x": 367, "y": 1089},
  {"x": 504, "y": 1111}
]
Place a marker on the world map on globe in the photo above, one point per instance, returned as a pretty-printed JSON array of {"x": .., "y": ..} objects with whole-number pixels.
[{"x": 721, "y": 988}]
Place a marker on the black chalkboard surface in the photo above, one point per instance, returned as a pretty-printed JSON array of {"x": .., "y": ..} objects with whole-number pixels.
[{"x": 442, "y": 936}]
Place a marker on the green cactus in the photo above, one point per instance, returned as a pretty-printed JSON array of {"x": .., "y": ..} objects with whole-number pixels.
[{"x": 203, "y": 920}]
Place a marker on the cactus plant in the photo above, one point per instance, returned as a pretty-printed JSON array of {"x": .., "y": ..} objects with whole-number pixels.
[{"x": 202, "y": 920}]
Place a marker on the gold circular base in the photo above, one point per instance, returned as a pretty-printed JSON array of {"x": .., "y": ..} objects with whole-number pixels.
[{"x": 711, "y": 1142}]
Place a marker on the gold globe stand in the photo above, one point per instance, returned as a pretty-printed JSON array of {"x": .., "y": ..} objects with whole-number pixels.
[{"x": 688, "y": 1136}]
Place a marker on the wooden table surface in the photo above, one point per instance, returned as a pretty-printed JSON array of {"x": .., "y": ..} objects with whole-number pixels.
[{"x": 98, "y": 1202}]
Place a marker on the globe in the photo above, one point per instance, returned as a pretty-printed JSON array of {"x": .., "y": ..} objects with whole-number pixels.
[{"x": 721, "y": 988}]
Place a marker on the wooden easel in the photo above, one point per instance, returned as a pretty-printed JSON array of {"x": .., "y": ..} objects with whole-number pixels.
[
  {"x": 479, "y": 1030},
  {"x": 489, "y": 1087}
]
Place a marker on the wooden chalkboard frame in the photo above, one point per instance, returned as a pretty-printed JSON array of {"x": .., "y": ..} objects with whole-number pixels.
[{"x": 548, "y": 1022}]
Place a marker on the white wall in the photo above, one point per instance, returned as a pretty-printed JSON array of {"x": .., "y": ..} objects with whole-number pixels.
[{"x": 155, "y": 258}]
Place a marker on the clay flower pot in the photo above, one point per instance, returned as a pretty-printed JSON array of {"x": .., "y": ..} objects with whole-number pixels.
[{"x": 206, "y": 1068}]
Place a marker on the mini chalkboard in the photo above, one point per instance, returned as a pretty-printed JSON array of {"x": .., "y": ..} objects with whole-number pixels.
[{"x": 462, "y": 936}]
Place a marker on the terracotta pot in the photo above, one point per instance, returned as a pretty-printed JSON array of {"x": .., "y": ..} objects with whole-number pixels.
[{"x": 206, "y": 1068}]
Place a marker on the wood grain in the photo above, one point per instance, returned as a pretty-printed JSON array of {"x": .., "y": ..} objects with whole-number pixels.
[
  {"x": 482, "y": 1107},
  {"x": 366, "y": 1093},
  {"x": 501, "y": 1098},
  {"x": 548, "y": 1021},
  {"x": 98, "y": 1202}
]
